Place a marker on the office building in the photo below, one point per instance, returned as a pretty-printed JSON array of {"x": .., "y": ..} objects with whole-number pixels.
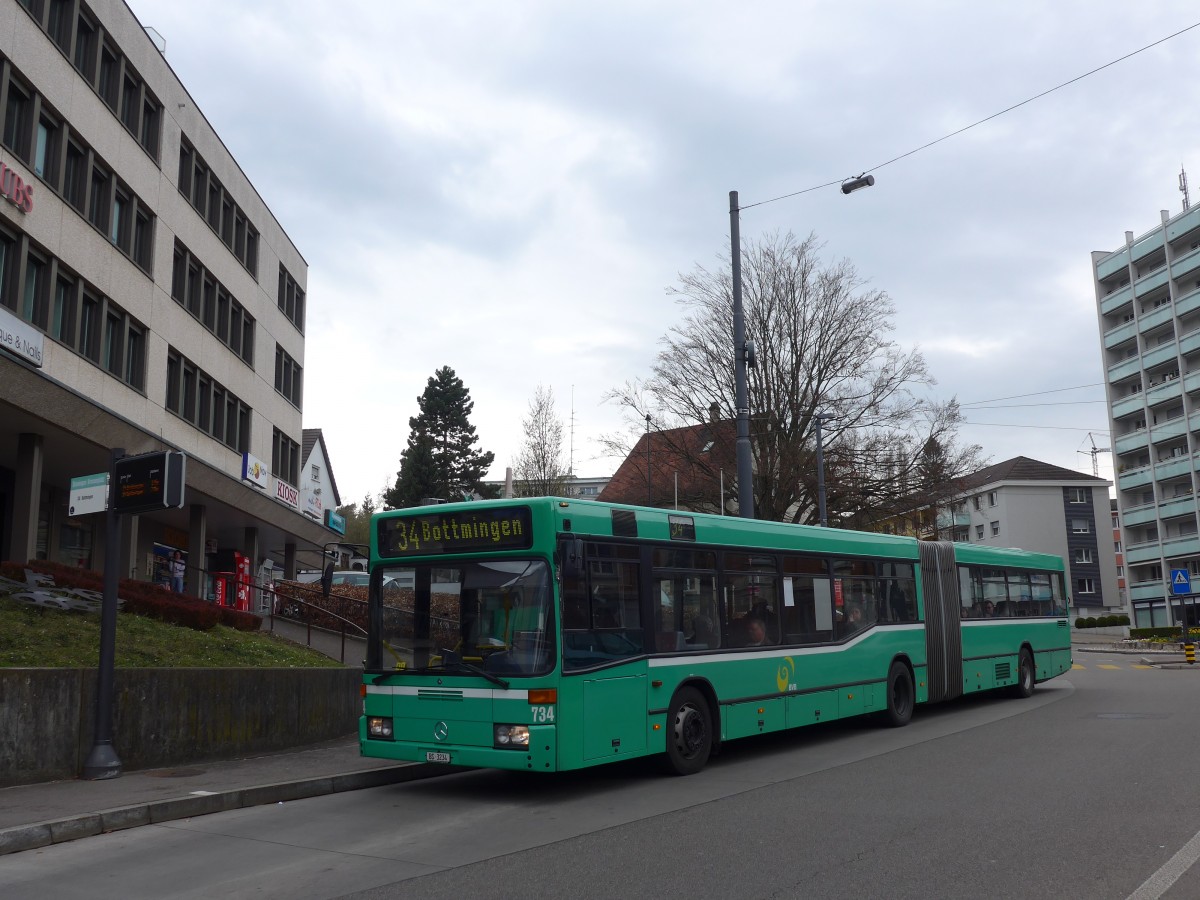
[{"x": 149, "y": 300}]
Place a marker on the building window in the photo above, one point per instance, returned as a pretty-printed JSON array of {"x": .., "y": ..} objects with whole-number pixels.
[
  {"x": 978, "y": 502},
  {"x": 217, "y": 207},
  {"x": 289, "y": 377},
  {"x": 1083, "y": 555},
  {"x": 995, "y": 528},
  {"x": 979, "y": 532},
  {"x": 33, "y": 299},
  {"x": 285, "y": 458},
  {"x": 1085, "y": 586},
  {"x": 1081, "y": 526},
  {"x": 1117, "y": 546},
  {"x": 291, "y": 298},
  {"x": 193, "y": 395},
  {"x": 193, "y": 288},
  {"x": 1077, "y": 495},
  {"x": 18, "y": 116},
  {"x": 991, "y": 498}
]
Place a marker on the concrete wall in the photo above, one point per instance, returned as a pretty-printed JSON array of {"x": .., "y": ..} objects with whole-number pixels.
[{"x": 167, "y": 717}]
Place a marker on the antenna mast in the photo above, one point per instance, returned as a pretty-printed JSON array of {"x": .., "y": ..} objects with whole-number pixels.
[
  {"x": 571, "y": 460},
  {"x": 1183, "y": 188}
]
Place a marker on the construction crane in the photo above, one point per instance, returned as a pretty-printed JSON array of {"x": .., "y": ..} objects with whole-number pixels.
[{"x": 1094, "y": 453}]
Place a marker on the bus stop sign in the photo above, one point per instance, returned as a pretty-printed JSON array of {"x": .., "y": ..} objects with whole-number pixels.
[
  {"x": 1181, "y": 581},
  {"x": 147, "y": 482}
]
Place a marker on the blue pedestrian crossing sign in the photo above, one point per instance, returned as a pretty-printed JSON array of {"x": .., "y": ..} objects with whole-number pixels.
[{"x": 1181, "y": 582}]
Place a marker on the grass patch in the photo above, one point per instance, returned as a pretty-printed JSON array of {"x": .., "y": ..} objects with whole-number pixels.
[{"x": 32, "y": 636}]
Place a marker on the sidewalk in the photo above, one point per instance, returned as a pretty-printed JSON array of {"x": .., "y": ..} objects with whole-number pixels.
[{"x": 36, "y": 815}]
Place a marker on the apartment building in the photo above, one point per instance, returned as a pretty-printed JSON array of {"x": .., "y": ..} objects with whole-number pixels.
[
  {"x": 1148, "y": 309},
  {"x": 149, "y": 300}
]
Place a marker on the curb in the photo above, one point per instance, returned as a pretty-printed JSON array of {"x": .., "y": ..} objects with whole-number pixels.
[{"x": 57, "y": 831}]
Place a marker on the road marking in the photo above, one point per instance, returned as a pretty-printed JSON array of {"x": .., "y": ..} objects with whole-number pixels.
[
  {"x": 1077, "y": 666},
  {"x": 1160, "y": 882},
  {"x": 1107, "y": 666},
  {"x": 1143, "y": 667}
]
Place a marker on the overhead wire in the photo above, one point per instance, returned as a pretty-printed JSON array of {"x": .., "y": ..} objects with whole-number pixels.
[{"x": 994, "y": 115}]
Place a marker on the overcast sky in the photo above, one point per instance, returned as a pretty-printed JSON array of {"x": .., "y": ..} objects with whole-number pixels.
[{"x": 510, "y": 188}]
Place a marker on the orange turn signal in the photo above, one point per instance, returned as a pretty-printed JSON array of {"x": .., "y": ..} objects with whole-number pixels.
[
  {"x": 543, "y": 696},
  {"x": 362, "y": 690}
]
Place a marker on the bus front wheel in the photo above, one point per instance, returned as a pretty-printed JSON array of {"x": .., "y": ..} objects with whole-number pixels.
[
  {"x": 900, "y": 695},
  {"x": 690, "y": 736},
  {"x": 1026, "y": 678}
]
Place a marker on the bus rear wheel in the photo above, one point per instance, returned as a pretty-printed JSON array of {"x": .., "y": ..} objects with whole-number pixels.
[
  {"x": 689, "y": 735},
  {"x": 1026, "y": 677},
  {"x": 900, "y": 695}
]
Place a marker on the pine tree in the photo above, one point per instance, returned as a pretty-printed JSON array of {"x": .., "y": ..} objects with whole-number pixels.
[{"x": 441, "y": 459}]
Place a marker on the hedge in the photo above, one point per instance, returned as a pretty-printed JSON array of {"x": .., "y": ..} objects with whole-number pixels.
[{"x": 141, "y": 598}]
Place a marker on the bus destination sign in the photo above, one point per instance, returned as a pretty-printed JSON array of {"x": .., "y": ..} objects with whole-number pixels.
[
  {"x": 683, "y": 528},
  {"x": 462, "y": 531}
]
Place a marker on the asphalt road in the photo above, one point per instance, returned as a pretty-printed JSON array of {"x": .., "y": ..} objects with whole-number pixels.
[{"x": 1080, "y": 792}]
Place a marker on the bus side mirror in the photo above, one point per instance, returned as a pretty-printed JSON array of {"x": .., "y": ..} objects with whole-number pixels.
[
  {"x": 570, "y": 552},
  {"x": 327, "y": 580}
]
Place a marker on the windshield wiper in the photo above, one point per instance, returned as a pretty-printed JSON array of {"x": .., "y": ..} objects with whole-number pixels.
[{"x": 450, "y": 658}]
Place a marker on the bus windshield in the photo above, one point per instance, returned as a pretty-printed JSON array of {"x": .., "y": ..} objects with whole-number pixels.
[{"x": 493, "y": 618}]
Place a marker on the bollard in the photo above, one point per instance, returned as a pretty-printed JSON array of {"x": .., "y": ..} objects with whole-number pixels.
[{"x": 1189, "y": 653}]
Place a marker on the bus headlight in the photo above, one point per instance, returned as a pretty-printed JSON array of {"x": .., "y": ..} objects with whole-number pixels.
[
  {"x": 512, "y": 737},
  {"x": 379, "y": 727}
]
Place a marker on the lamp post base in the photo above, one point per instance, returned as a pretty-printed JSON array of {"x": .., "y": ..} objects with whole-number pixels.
[{"x": 102, "y": 763}]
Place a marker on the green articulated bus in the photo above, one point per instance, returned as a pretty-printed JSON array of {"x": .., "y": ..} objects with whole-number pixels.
[{"x": 548, "y": 634}]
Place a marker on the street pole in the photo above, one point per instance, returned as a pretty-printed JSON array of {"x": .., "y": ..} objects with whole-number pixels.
[
  {"x": 103, "y": 761},
  {"x": 649, "y": 490},
  {"x": 745, "y": 468},
  {"x": 820, "y": 475}
]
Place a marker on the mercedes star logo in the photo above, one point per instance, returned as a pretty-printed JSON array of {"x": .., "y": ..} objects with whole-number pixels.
[{"x": 441, "y": 731}]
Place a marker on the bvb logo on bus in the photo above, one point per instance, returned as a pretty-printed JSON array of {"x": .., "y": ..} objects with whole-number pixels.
[{"x": 783, "y": 677}]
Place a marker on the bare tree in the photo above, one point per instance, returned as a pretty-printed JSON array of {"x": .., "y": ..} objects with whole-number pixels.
[
  {"x": 823, "y": 347},
  {"x": 538, "y": 470}
]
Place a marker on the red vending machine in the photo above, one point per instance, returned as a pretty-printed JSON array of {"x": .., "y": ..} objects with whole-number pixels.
[{"x": 244, "y": 581}]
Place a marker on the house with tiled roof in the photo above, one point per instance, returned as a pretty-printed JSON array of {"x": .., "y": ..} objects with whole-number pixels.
[
  {"x": 690, "y": 468},
  {"x": 318, "y": 489}
]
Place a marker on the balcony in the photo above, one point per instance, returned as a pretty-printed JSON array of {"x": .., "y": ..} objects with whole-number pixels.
[
  {"x": 1147, "y": 551},
  {"x": 1136, "y": 478},
  {"x": 1188, "y": 302},
  {"x": 1183, "y": 224},
  {"x": 1119, "y": 335},
  {"x": 1154, "y": 318},
  {"x": 1132, "y": 404},
  {"x": 1151, "y": 282},
  {"x": 1176, "y": 506},
  {"x": 1146, "y": 245},
  {"x": 1191, "y": 382},
  {"x": 1116, "y": 299},
  {"x": 1117, "y": 262},
  {"x": 1180, "y": 546},
  {"x": 1139, "y": 515},
  {"x": 1189, "y": 343},
  {"x": 1125, "y": 368},
  {"x": 1186, "y": 265},
  {"x": 1159, "y": 355},
  {"x": 1173, "y": 468},
  {"x": 1164, "y": 391},
  {"x": 1127, "y": 443},
  {"x": 1165, "y": 431},
  {"x": 1147, "y": 590}
]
